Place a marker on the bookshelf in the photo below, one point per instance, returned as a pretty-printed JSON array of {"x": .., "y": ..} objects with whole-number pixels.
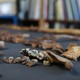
[
  {"x": 41, "y": 22},
  {"x": 66, "y": 31}
]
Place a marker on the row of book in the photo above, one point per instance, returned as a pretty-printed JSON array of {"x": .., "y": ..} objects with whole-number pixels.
[
  {"x": 61, "y": 10},
  {"x": 54, "y": 9}
]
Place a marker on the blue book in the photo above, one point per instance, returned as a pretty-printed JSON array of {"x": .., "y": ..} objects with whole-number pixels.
[
  {"x": 51, "y": 10},
  {"x": 75, "y": 10},
  {"x": 78, "y": 5},
  {"x": 69, "y": 10}
]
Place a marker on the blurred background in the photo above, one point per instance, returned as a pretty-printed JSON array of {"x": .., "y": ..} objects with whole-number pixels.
[{"x": 45, "y": 13}]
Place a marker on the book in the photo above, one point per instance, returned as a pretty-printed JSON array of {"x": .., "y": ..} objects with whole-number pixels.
[
  {"x": 45, "y": 9},
  {"x": 75, "y": 10},
  {"x": 69, "y": 10},
  {"x": 78, "y": 5},
  {"x": 31, "y": 10},
  {"x": 51, "y": 10},
  {"x": 37, "y": 10},
  {"x": 59, "y": 10}
]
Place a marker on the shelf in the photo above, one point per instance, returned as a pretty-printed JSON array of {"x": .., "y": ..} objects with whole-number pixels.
[
  {"x": 62, "y": 21},
  {"x": 62, "y": 31}
]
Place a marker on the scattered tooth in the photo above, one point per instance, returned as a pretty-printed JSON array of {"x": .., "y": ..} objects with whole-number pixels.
[
  {"x": 46, "y": 63},
  {"x": 35, "y": 60},
  {"x": 10, "y": 59},
  {"x": 23, "y": 49},
  {"x": 30, "y": 53},
  {"x": 17, "y": 60},
  {"x": 35, "y": 51},
  {"x": 40, "y": 55},
  {"x": 27, "y": 49},
  {"x": 25, "y": 58},
  {"x": 6, "y": 60},
  {"x": 32, "y": 62}
]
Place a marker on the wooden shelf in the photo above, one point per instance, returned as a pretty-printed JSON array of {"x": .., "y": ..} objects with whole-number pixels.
[
  {"x": 62, "y": 21},
  {"x": 62, "y": 31}
]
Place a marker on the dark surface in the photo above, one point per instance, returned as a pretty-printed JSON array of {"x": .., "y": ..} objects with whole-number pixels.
[{"x": 39, "y": 72}]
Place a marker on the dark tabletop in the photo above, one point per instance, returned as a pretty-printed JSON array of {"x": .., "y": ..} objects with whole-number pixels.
[{"x": 38, "y": 72}]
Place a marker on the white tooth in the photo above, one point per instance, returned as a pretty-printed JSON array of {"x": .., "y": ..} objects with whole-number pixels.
[
  {"x": 23, "y": 49},
  {"x": 35, "y": 60},
  {"x": 46, "y": 63},
  {"x": 27, "y": 49},
  {"x": 11, "y": 59}
]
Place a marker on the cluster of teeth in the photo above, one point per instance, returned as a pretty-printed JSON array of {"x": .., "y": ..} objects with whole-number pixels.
[
  {"x": 23, "y": 60},
  {"x": 34, "y": 53}
]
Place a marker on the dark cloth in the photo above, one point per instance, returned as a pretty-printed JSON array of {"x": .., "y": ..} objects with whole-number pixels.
[{"x": 38, "y": 72}]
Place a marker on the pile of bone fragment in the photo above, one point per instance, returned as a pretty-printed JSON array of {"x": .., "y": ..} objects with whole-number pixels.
[{"x": 47, "y": 57}]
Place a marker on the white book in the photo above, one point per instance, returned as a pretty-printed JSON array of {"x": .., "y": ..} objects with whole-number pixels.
[
  {"x": 45, "y": 8},
  {"x": 37, "y": 10},
  {"x": 60, "y": 10},
  {"x": 27, "y": 5},
  {"x": 31, "y": 11},
  {"x": 69, "y": 9},
  {"x": 75, "y": 9}
]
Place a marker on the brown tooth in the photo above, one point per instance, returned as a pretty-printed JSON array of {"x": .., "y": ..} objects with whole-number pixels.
[
  {"x": 25, "y": 58},
  {"x": 46, "y": 62},
  {"x": 32, "y": 62},
  {"x": 6, "y": 60},
  {"x": 17, "y": 60},
  {"x": 56, "y": 58}
]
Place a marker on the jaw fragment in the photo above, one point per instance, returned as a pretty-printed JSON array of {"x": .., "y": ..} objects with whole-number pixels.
[{"x": 56, "y": 58}]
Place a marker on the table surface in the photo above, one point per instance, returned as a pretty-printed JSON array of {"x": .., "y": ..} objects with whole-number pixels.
[{"x": 38, "y": 72}]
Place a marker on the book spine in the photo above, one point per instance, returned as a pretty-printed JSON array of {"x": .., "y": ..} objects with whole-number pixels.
[
  {"x": 50, "y": 10},
  {"x": 37, "y": 10},
  {"x": 45, "y": 9},
  {"x": 78, "y": 5},
  {"x": 65, "y": 10},
  {"x": 60, "y": 10},
  {"x": 69, "y": 10},
  {"x": 31, "y": 11},
  {"x": 75, "y": 9}
]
